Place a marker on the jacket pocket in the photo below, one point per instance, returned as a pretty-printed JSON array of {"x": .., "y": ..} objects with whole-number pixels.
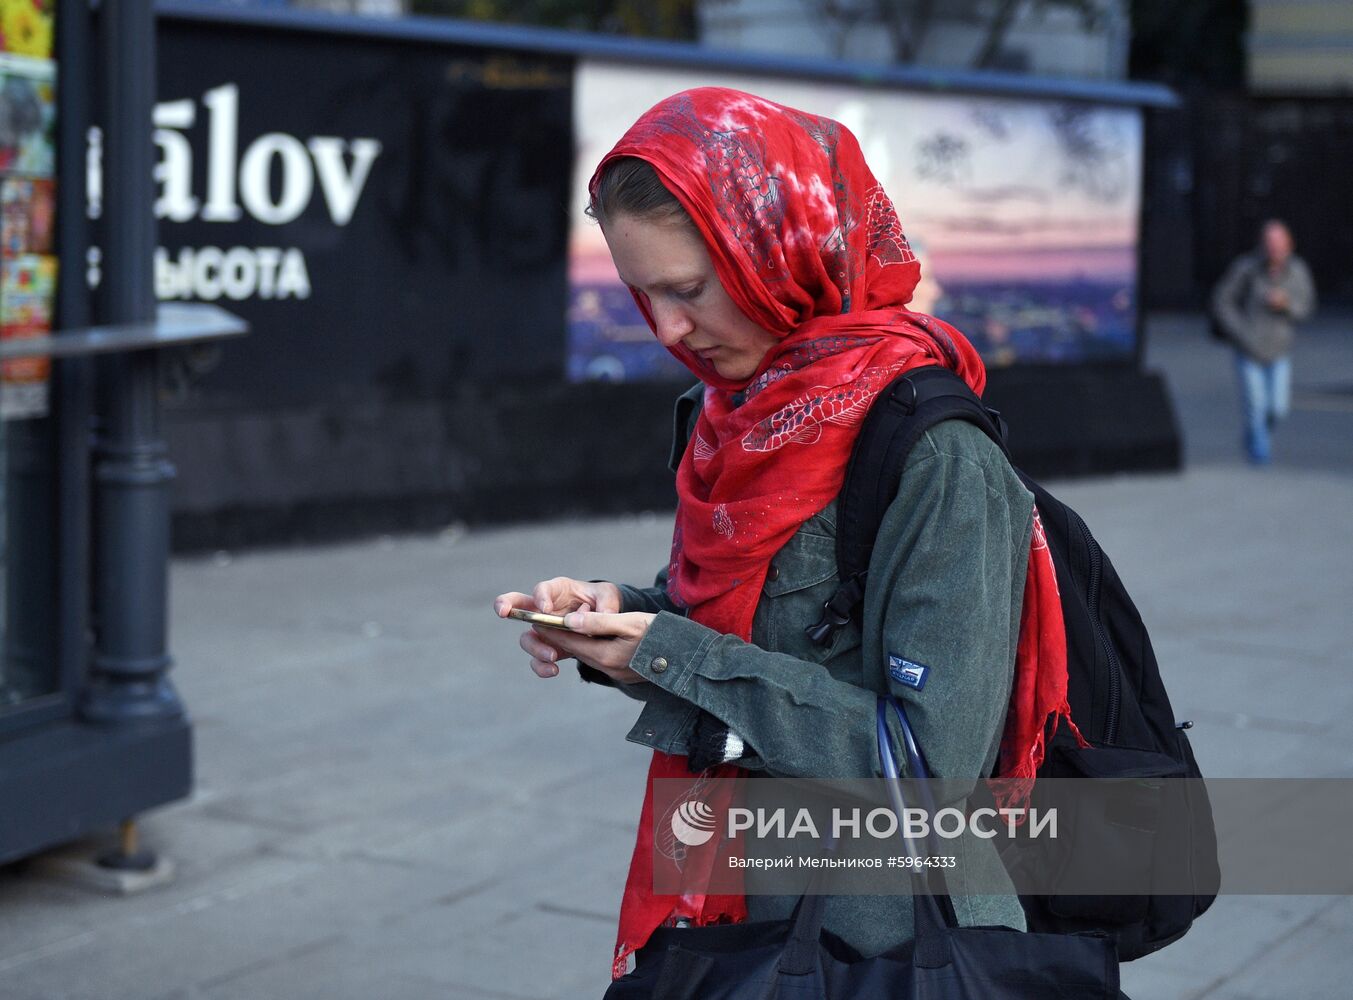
[{"x": 801, "y": 578}]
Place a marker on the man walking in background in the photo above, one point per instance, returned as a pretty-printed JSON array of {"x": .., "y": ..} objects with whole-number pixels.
[{"x": 1256, "y": 303}]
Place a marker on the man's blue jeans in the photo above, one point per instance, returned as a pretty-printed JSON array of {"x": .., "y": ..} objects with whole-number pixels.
[{"x": 1265, "y": 396}]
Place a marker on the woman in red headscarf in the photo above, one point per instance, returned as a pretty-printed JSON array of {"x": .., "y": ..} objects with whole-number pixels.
[{"x": 769, "y": 260}]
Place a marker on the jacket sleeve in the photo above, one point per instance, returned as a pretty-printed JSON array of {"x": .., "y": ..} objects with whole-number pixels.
[
  {"x": 1300, "y": 292},
  {"x": 1226, "y": 307},
  {"x": 652, "y": 599},
  {"x": 949, "y": 557}
]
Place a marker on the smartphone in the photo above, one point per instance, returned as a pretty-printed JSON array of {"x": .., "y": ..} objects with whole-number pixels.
[{"x": 539, "y": 618}]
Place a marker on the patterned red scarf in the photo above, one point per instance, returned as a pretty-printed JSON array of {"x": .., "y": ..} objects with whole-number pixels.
[{"x": 808, "y": 245}]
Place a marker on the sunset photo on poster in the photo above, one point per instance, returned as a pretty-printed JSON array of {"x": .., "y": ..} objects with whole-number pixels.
[{"x": 1024, "y": 213}]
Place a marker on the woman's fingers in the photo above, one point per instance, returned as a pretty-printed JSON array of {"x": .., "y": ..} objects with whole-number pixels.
[
  {"x": 564, "y": 595},
  {"x": 561, "y": 595},
  {"x": 606, "y": 641},
  {"x": 556, "y": 595},
  {"x": 544, "y": 657},
  {"x": 543, "y": 668},
  {"x": 504, "y": 603},
  {"x": 606, "y": 597},
  {"x": 532, "y": 642}
]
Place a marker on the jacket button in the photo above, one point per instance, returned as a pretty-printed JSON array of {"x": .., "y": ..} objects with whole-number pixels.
[
  {"x": 773, "y": 573},
  {"x": 658, "y": 664}
]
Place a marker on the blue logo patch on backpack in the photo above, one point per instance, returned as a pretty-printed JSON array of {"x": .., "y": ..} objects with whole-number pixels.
[{"x": 906, "y": 672}]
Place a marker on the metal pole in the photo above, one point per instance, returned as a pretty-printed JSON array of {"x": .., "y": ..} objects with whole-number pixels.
[
  {"x": 132, "y": 473},
  {"x": 73, "y": 379}
]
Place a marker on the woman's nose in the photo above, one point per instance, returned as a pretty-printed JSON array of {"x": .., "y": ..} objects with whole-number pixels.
[{"x": 671, "y": 324}]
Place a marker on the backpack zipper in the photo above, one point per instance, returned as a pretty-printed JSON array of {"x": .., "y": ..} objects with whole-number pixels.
[{"x": 1115, "y": 671}]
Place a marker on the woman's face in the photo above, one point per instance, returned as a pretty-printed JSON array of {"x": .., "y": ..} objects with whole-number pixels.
[{"x": 668, "y": 262}]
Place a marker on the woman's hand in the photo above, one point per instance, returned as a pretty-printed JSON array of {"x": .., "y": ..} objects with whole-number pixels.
[
  {"x": 602, "y": 640},
  {"x": 559, "y": 596}
]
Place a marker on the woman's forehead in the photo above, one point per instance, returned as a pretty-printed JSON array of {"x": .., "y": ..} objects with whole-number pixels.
[{"x": 652, "y": 254}]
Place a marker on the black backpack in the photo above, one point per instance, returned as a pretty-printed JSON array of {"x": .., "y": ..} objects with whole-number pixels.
[{"x": 1114, "y": 687}]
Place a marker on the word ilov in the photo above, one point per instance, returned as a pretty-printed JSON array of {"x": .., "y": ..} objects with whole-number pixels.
[
  {"x": 883, "y": 823},
  {"x": 240, "y": 186}
]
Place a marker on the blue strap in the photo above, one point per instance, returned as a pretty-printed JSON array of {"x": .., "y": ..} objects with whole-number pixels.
[{"x": 930, "y": 915}]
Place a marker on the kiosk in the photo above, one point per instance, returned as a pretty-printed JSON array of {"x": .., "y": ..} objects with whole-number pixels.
[{"x": 91, "y": 729}]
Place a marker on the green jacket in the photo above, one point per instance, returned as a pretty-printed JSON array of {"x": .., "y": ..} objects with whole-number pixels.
[{"x": 946, "y": 584}]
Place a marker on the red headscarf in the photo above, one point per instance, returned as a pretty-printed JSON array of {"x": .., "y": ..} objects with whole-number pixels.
[{"x": 808, "y": 245}]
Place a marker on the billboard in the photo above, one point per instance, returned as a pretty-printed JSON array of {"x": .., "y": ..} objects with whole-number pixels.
[
  {"x": 387, "y": 215},
  {"x": 397, "y": 214},
  {"x": 1024, "y": 213}
]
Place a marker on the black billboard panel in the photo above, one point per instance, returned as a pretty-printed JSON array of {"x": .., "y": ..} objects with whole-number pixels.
[{"x": 390, "y": 217}]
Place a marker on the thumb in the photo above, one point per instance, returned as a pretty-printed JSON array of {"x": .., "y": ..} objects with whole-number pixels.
[{"x": 595, "y": 623}]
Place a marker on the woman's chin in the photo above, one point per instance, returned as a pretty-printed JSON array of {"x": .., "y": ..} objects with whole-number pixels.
[{"x": 731, "y": 369}]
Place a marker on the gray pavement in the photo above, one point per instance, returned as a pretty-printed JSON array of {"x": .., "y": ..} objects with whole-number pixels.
[{"x": 390, "y": 806}]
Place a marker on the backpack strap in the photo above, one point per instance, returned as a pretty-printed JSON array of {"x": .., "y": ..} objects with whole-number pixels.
[
  {"x": 684, "y": 411},
  {"x": 909, "y": 406}
]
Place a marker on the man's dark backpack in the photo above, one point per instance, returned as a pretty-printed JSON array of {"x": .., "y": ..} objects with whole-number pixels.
[{"x": 1114, "y": 687}]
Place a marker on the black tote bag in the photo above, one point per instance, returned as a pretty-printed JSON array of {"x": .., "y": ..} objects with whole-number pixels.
[{"x": 796, "y": 959}]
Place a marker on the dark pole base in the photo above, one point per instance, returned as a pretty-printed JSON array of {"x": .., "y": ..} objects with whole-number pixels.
[
  {"x": 67, "y": 780},
  {"x": 109, "y": 702},
  {"x": 141, "y": 861},
  {"x": 128, "y": 857}
]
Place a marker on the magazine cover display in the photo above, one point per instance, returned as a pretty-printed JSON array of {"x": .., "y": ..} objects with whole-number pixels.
[{"x": 27, "y": 199}]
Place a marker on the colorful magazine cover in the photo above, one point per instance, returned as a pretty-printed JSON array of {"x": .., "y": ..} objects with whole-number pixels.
[
  {"x": 23, "y": 400},
  {"x": 26, "y": 27},
  {"x": 27, "y": 115},
  {"x": 27, "y": 211},
  {"x": 27, "y": 296},
  {"x": 27, "y": 291}
]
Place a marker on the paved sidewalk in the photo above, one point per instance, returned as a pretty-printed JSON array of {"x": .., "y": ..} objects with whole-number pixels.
[{"x": 390, "y": 806}]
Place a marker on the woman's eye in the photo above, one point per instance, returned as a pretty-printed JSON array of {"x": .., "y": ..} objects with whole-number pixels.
[{"x": 689, "y": 293}]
